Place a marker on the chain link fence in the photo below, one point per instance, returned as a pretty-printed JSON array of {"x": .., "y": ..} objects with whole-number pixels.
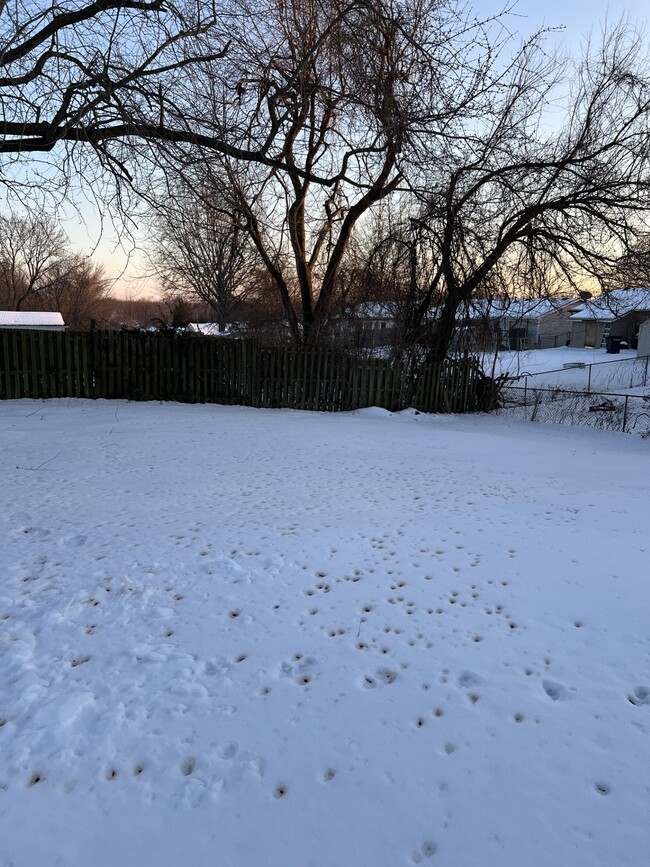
[
  {"x": 628, "y": 413},
  {"x": 604, "y": 377}
]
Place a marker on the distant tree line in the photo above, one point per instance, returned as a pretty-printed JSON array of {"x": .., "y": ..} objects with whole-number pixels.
[{"x": 40, "y": 271}]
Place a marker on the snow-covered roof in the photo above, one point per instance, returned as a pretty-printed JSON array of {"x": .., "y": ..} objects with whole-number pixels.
[
  {"x": 208, "y": 329},
  {"x": 517, "y": 308},
  {"x": 11, "y": 318},
  {"x": 614, "y": 305},
  {"x": 373, "y": 310}
]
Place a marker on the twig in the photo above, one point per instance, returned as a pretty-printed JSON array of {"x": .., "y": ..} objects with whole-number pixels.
[{"x": 40, "y": 466}]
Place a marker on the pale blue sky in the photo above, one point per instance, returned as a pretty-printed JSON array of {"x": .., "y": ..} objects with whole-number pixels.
[{"x": 579, "y": 18}]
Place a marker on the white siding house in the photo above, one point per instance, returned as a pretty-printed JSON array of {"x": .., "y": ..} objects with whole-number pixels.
[
  {"x": 619, "y": 313},
  {"x": 534, "y": 323}
]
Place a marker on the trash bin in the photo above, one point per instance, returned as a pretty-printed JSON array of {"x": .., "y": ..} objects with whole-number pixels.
[{"x": 613, "y": 345}]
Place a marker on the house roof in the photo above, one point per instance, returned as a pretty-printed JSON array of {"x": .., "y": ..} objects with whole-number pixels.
[
  {"x": 373, "y": 310},
  {"x": 13, "y": 318},
  {"x": 614, "y": 305},
  {"x": 517, "y": 308}
]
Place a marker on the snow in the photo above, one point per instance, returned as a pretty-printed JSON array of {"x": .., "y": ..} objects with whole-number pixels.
[
  {"x": 623, "y": 373},
  {"x": 518, "y": 308},
  {"x": 11, "y": 319},
  {"x": 208, "y": 329},
  {"x": 263, "y": 637},
  {"x": 614, "y": 305},
  {"x": 534, "y": 361},
  {"x": 372, "y": 310}
]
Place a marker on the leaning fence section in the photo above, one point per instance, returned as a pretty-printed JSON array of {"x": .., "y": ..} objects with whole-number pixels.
[
  {"x": 195, "y": 369},
  {"x": 628, "y": 413}
]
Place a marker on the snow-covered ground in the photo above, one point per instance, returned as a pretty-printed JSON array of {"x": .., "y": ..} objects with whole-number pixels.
[
  {"x": 262, "y": 638},
  {"x": 623, "y": 373},
  {"x": 535, "y": 361}
]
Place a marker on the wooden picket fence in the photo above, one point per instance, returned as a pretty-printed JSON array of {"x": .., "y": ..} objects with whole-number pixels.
[{"x": 196, "y": 369}]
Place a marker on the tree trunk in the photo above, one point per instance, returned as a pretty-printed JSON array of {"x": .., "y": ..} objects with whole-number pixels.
[{"x": 444, "y": 329}]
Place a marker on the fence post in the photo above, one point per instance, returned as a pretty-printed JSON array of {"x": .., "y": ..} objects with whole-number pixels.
[
  {"x": 625, "y": 413},
  {"x": 589, "y": 381}
]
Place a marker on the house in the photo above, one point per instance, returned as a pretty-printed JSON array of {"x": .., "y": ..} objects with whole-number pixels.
[
  {"x": 618, "y": 313},
  {"x": 535, "y": 323},
  {"x": 366, "y": 325},
  {"x": 31, "y": 321}
]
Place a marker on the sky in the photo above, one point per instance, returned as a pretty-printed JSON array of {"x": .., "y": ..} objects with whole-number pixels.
[{"x": 577, "y": 19}]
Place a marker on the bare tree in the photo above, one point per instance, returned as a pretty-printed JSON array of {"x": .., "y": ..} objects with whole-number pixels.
[
  {"x": 338, "y": 92},
  {"x": 81, "y": 295},
  {"x": 39, "y": 271},
  {"x": 316, "y": 111},
  {"x": 633, "y": 267},
  {"x": 105, "y": 89},
  {"x": 201, "y": 250},
  {"x": 400, "y": 267},
  {"x": 89, "y": 87},
  {"x": 33, "y": 259},
  {"x": 174, "y": 313},
  {"x": 521, "y": 200},
  {"x": 131, "y": 312}
]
